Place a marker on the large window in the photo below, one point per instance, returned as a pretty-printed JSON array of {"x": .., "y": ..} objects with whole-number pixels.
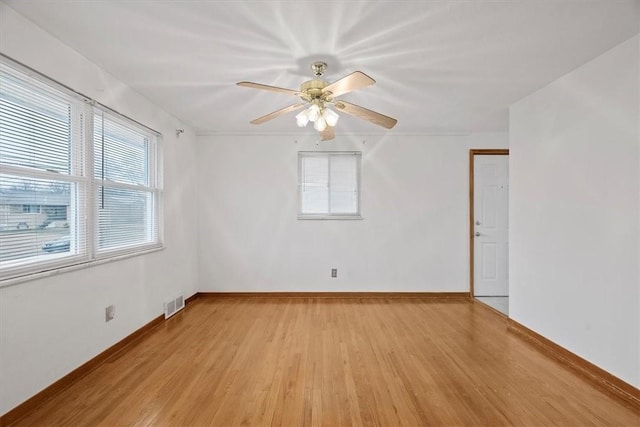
[
  {"x": 77, "y": 182},
  {"x": 329, "y": 185}
]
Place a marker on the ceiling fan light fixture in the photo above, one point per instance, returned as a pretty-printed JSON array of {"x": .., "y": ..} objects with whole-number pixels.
[
  {"x": 330, "y": 116},
  {"x": 302, "y": 119},
  {"x": 320, "y": 124},
  {"x": 313, "y": 112}
]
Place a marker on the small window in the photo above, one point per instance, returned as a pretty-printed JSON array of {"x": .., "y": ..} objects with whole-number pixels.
[{"x": 329, "y": 185}]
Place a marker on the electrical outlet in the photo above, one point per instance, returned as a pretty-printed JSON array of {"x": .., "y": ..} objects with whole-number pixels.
[
  {"x": 334, "y": 272},
  {"x": 109, "y": 313}
]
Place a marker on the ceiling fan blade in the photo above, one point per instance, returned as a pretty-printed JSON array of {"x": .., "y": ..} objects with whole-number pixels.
[
  {"x": 270, "y": 88},
  {"x": 328, "y": 133},
  {"x": 363, "y": 113},
  {"x": 277, "y": 113},
  {"x": 355, "y": 80}
]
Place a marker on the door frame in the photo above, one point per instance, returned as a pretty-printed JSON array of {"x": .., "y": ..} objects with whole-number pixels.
[{"x": 472, "y": 153}]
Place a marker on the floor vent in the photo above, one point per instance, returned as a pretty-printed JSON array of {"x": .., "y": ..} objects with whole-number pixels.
[{"x": 173, "y": 306}]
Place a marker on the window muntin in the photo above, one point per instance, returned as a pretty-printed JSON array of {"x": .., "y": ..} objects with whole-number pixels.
[
  {"x": 329, "y": 185},
  {"x": 56, "y": 207}
]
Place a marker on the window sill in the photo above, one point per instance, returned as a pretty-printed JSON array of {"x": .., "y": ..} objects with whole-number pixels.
[
  {"x": 26, "y": 277},
  {"x": 330, "y": 217}
]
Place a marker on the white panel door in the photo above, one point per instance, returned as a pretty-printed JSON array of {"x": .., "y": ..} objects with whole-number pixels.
[{"x": 490, "y": 216}]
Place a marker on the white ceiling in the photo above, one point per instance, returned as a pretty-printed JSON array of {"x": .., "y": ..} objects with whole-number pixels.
[{"x": 440, "y": 66}]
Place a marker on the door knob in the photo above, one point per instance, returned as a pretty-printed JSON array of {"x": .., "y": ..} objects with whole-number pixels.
[
  {"x": 477, "y": 222},
  {"x": 477, "y": 233}
]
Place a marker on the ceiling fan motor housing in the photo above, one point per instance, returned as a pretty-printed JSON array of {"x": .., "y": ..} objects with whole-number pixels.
[{"x": 312, "y": 90}]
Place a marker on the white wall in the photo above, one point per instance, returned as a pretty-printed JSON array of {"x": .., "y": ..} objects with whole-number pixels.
[
  {"x": 575, "y": 211},
  {"x": 48, "y": 327},
  {"x": 414, "y": 235}
]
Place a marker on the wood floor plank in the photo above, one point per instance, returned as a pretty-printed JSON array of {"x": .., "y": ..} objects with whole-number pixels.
[{"x": 278, "y": 361}]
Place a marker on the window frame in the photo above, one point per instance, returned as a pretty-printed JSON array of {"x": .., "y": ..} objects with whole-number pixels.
[
  {"x": 331, "y": 216},
  {"x": 82, "y": 211},
  {"x": 153, "y": 187}
]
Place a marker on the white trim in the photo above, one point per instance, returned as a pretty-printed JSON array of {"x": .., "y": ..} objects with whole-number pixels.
[
  {"x": 324, "y": 153},
  {"x": 90, "y": 225},
  {"x": 159, "y": 187},
  {"x": 323, "y": 216},
  {"x": 122, "y": 185},
  {"x": 32, "y": 173},
  {"x": 125, "y": 250}
]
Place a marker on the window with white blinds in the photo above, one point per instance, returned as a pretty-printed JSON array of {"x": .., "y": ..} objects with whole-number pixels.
[
  {"x": 58, "y": 206},
  {"x": 329, "y": 185},
  {"x": 124, "y": 182}
]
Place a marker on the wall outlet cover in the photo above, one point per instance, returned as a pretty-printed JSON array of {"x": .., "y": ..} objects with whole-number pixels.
[{"x": 109, "y": 312}]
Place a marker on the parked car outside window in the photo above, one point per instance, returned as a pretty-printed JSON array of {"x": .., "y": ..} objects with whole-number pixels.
[{"x": 61, "y": 244}]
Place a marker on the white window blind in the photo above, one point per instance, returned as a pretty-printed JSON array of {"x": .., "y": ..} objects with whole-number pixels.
[
  {"x": 126, "y": 194},
  {"x": 42, "y": 188},
  {"x": 36, "y": 125},
  {"x": 329, "y": 185},
  {"x": 67, "y": 196}
]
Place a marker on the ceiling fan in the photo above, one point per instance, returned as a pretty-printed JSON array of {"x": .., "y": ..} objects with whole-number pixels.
[{"x": 318, "y": 95}]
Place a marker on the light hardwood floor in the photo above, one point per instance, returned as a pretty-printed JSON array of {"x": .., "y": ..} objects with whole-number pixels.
[{"x": 332, "y": 362}]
